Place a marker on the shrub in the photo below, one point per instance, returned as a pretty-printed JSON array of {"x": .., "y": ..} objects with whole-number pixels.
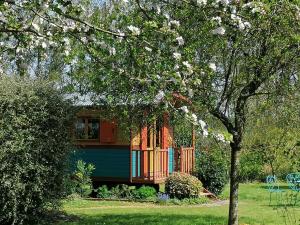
[
  {"x": 34, "y": 148},
  {"x": 145, "y": 192},
  {"x": 212, "y": 170},
  {"x": 251, "y": 166},
  {"x": 82, "y": 182},
  {"x": 103, "y": 192},
  {"x": 182, "y": 185},
  {"x": 122, "y": 191}
]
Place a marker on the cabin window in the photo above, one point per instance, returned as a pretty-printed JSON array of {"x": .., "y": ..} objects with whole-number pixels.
[
  {"x": 93, "y": 128},
  {"x": 87, "y": 129},
  {"x": 80, "y": 129}
]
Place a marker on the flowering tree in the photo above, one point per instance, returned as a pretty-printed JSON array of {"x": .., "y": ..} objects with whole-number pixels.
[{"x": 215, "y": 55}]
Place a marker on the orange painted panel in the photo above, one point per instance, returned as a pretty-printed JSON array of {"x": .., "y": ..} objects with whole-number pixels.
[
  {"x": 165, "y": 132},
  {"x": 107, "y": 131}
]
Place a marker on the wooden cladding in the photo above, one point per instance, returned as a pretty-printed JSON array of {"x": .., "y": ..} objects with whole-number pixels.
[{"x": 156, "y": 135}]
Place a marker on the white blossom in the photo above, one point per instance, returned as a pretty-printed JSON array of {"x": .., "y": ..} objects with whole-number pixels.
[
  {"x": 204, "y": 128},
  {"x": 44, "y": 44},
  {"x": 175, "y": 23},
  {"x": 134, "y": 30},
  {"x": 217, "y": 19},
  {"x": 148, "y": 49},
  {"x": 212, "y": 66},
  {"x": 220, "y": 137},
  {"x": 247, "y": 25},
  {"x": 201, "y": 2},
  {"x": 225, "y": 2},
  {"x": 158, "y": 98},
  {"x": 184, "y": 109},
  {"x": 190, "y": 92},
  {"x": 188, "y": 66},
  {"x": 194, "y": 117},
  {"x": 219, "y": 31},
  {"x": 167, "y": 15},
  {"x": 67, "y": 52},
  {"x": 112, "y": 51},
  {"x": 180, "y": 40},
  {"x": 66, "y": 40},
  {"x": 177, "y": 55},
  {"x": 36, "y": 27}
]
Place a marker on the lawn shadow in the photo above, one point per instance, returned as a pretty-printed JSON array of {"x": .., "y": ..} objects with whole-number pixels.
[
  {"x": 282, "y": 187},
  {"x": 149, "y": 219}
]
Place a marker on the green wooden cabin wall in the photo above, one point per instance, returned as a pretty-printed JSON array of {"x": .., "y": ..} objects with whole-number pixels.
[{"x": 109, "y": 162}]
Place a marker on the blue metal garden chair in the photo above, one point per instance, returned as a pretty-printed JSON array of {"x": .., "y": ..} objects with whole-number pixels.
[
  {"x": 273, "y": 187},
  {"x": 293, "y": 180}
]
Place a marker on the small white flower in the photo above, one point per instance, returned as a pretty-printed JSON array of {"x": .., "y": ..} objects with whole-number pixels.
[
  {"x": 158, "y": 10},
  {"x": 66, "y": 40},
  {"x": 220, "y": 137},
  {"x": 44, "y": 44},
  {"x": 184, "y": 109},
  {"x": 212, "y": 66},
  {"x": 188, "y": 66},
  {"x": 167, "y": 16},
  {"x": 194, "y": 117},
  {"x": 84, "y": 40},
  {"x": 174, "y": 23},
  {"x": 247, "y": 25},
  {"x": 201, "y": 2},
  {"x": 180, "y": 40},
  {"x": 219, "y": 31},
  {"x": 190, "y": 92},
  {"x": 134, "y": 30},
  {"x": 159, "y": 97},
  {"x": 67, "y": 52},
  {"x": 225, "y": 2},
  {"x": 186, "y": 63},
  {"x": 112, "y": 51},
  {"x": 217, "y": 19},
  {"x": 177, "y": 55},
  {"x": 148, "y": 49},
  {"x": 36, "y": 27}
]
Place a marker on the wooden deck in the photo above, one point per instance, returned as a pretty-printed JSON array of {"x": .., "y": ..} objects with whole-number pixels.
[
  {"x": 152, "y": 166},
  {"x": 149, "y": 166}
]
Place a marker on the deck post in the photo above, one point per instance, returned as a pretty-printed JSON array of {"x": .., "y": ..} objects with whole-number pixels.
[
  {"x": 194, "y": 148},
  {"x": 181, "y": 159},
  {"x": 130, "y": 156}
]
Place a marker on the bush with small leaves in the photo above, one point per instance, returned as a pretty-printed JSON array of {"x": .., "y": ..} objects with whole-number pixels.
[
  {"x": 212, "y": 170},
  {"x": 103, "y": 192},
  {"x": 34, "y": 148},
  {"x": 145, "y": 192},
  {"x": 182, "y": 185}
]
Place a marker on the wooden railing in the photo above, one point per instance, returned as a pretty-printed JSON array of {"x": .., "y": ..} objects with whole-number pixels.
[
  {"x": 149, "y": 165},
  {"x": 185, "y": 159}
]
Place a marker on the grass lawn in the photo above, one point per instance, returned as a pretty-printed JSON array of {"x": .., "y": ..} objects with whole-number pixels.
[{"x": 253, "y": 209}]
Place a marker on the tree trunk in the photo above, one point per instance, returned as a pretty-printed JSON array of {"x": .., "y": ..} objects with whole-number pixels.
[{"x": 234, "y": 186}]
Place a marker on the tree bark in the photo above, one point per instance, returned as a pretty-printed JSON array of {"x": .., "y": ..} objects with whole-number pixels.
[{"x": 234, "y": 186}]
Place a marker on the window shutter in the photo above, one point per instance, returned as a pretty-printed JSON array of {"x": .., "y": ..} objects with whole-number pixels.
[{"x": 107, "y": 132}]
